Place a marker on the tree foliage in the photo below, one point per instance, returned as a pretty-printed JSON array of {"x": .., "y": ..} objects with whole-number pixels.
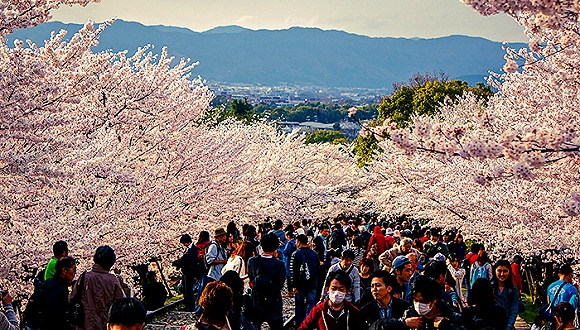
[
  {"x": 315, "y": 111},
  {"x": 238, "y": 109},
  {"x": 423, "y": 95},
  {"x": 425, "y": 99},
  {"x": 325, "y": 136}
]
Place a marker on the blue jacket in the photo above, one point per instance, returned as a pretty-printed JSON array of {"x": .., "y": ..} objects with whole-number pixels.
[{"x": 508, "y": 300}]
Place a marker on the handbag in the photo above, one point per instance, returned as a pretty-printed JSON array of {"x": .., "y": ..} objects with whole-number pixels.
[{"x": 75, "y": 312}]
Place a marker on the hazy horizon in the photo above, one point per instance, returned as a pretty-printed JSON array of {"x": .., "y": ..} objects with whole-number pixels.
[{"x": 373, "y": 18}]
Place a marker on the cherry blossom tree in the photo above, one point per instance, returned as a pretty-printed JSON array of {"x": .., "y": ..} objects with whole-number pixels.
[
  {"x": 505, "y": 172},
  {"x": 106, "y": 148}
]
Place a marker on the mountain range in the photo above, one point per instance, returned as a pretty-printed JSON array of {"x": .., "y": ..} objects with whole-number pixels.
[{"x": 300, "y": 56}]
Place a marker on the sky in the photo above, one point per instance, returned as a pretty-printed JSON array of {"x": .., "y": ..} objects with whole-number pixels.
[{"x": 375, "y": 18}]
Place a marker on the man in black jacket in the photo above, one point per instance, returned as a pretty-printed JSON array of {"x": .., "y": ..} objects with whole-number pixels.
[
  {"x": 384, "y": 305},
  {"x": 53, "y": 297},
  {"x": 187, "y": 263},
  {"x": 320, "y": 247},
  {"x": 304, "y": 269},
  {"x": 267, "y": 275}
]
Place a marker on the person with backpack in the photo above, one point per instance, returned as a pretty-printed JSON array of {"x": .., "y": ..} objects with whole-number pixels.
[
  {"x": 562, "y": 290},
  {"x": 238, "y": 261},
  {"x": 216, "y": 255},
  {"x": 279, "y": 232},
  {"x": 320, "y": 247},
  {"x": 481, "y": 268},
  {"x": 188, "y": 263},
  {"x": 267, "y": 275},
  {"x": 304, "y": 266},
  {"x": 337, "y": 238},
  {"x": 52, "y": 300},
  {"x": 470, "y": 259},
  {"x": 202, "y": 243},
  {"x": 96, "y": 290}
]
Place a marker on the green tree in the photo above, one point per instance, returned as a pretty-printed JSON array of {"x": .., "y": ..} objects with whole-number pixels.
[
  {"x": 239, "y": 110},
  {"x": 323, "y": 113},
  {"x": 423, "y": 95},
  {"x": 364, "y": 149},
  {"x": 425, "y": 99},
  {"x": 325, "y": 136}
]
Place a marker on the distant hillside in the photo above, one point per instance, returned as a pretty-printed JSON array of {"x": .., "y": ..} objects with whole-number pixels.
[{"x": 300, "y": 56}]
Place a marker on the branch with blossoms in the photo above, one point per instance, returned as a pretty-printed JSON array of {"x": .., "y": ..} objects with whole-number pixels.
[
  {"x": 428, "y": 135},
  {"x": 20, "y": 14}
]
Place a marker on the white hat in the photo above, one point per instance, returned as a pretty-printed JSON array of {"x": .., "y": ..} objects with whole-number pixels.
[{"x": 389, "y": 231}]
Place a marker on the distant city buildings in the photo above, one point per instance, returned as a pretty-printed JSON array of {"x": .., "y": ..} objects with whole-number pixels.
[{"x": 293, "y": 95}]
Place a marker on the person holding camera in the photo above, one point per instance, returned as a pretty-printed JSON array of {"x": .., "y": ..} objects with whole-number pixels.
[
  {"x": 8, "y": 319},
  {"x": 187, "y": 263}
]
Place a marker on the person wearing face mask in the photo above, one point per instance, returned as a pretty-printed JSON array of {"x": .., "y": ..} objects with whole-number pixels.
[
  {"x": 346, "y": 265},
  {"x": 429, "y": 311},
  {"x": 335, "y": 312}
]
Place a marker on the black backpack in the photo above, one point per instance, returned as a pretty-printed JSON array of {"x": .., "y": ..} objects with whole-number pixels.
[
  {"x": 265, "y": 293},
  {"x": 33, "y": 316},
  {"x": 308, "y": 271}
]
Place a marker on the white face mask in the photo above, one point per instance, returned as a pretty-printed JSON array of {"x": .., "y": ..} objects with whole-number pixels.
[
  {"x": 336, "y": 297},
  {"x": 422, "y": 308}
]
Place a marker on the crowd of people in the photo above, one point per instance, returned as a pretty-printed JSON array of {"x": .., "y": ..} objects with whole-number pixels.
[{"x": 343, "y": 274}]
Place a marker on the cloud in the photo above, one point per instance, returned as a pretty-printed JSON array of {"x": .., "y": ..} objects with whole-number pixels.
[{"x": 245, "y": 19}]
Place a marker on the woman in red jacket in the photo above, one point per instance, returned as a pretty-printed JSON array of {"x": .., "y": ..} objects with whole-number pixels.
[
  {"x": 379, "y": 239},
  {"x": 335, "y": 312}
]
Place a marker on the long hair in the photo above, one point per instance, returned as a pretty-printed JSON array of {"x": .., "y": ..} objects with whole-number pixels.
[
  {"x": 509, "y": 281},
  {"x": 481, "y": 295},
  {"x": 203, "y": 237},
  {"x": 244, "y": 250}
]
